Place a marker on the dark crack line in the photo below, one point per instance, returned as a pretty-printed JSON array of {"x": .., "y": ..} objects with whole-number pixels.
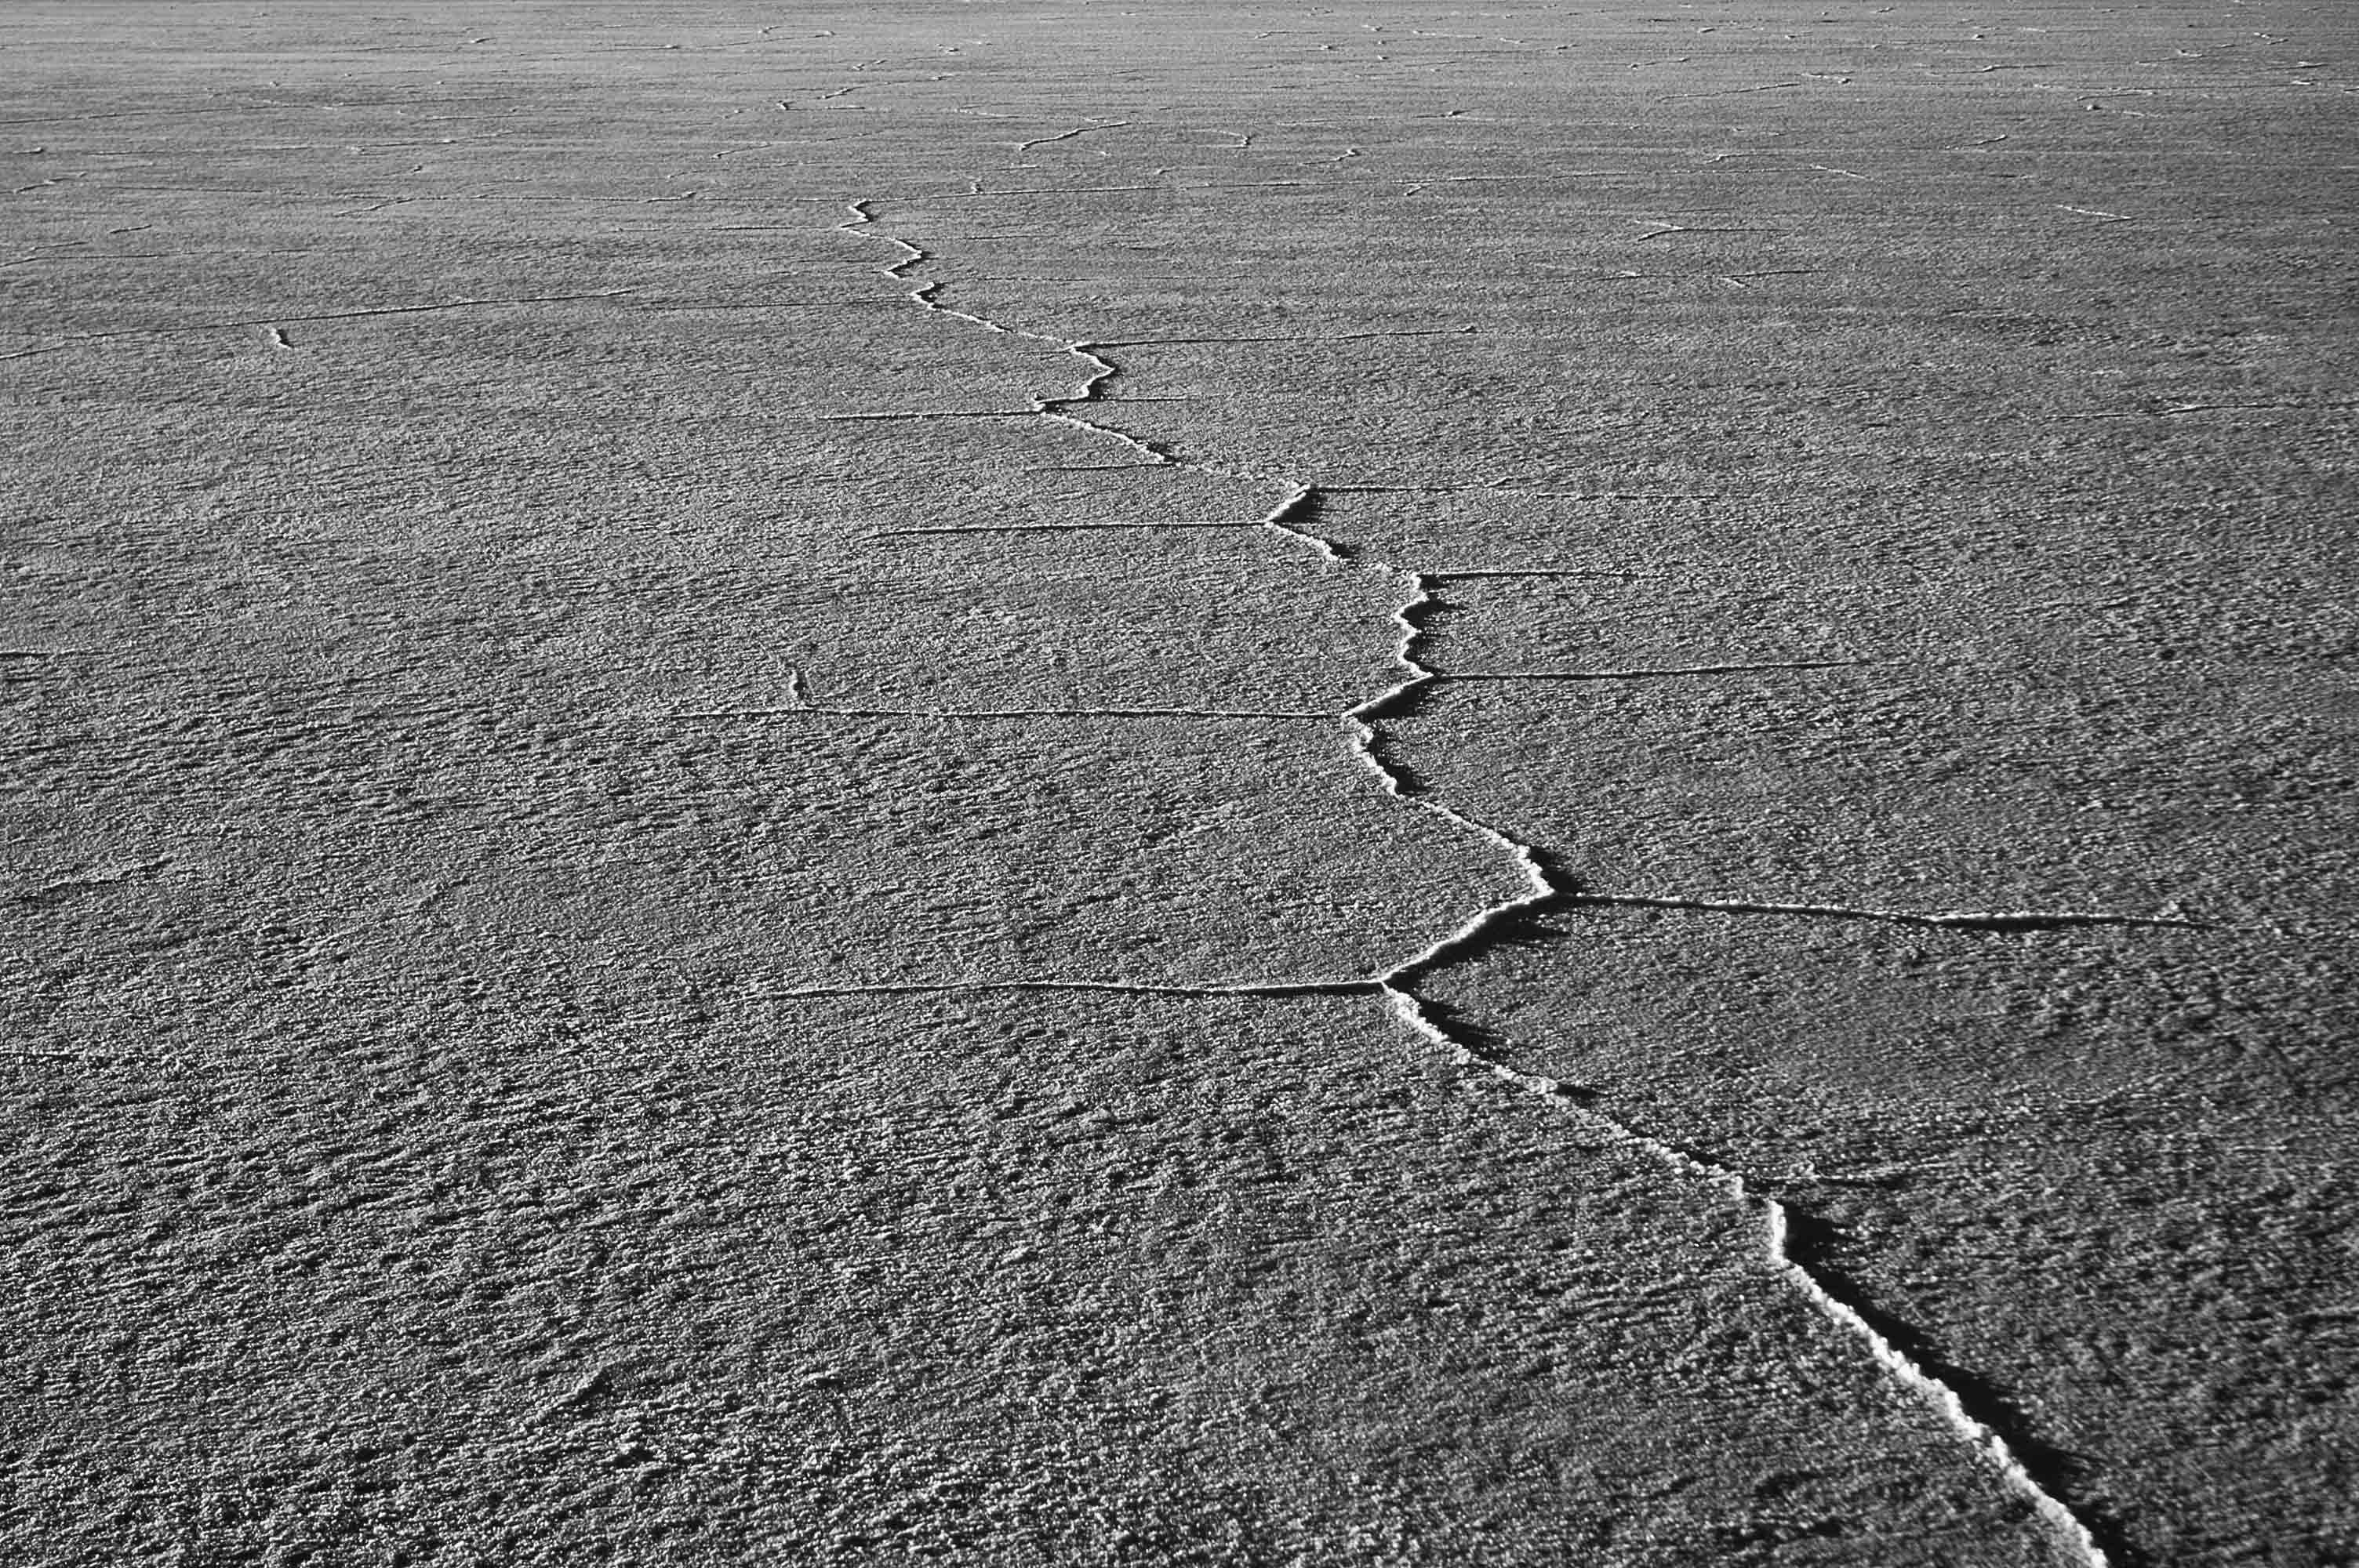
[
  {"x": 978, "y": 191},
  {"x": 1516, "y": 489},
  {"x": 1112, "y": 987},
  {"x": 1055, "y": 528},
  {"x": 2019, "y": 920},
  {"x": 932, "y": 414},
  {"x": 1662, "y": 672},
  {"x": 1515, "y": 573},
  {"x": 1403, "y": 696},
  {"x": 1026, "y": 147},
  {"x": 1275, "y": 338},
  {"x": 721, "y": 714},
  {"x": 1730, "y": 92},
  {"x": 1545, "y": 885},
  {"x": 2178, "y": 410}
]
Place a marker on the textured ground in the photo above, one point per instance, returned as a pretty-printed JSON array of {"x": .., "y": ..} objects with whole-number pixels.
[{"x": 1027, "y": 783}]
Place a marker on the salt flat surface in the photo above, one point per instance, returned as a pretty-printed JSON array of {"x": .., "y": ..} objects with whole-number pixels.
[{"x": 1033, "y": 783}]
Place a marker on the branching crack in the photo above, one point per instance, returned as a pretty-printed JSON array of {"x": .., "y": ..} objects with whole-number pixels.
[{"x": 1547, "y": 884}]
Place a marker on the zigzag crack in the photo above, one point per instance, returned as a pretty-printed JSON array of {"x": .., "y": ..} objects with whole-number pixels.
[
  {"x": 1546, "y": 884},
  {"x": 1977, "y": 1434},
  {"x": 1026, "y": 147}
]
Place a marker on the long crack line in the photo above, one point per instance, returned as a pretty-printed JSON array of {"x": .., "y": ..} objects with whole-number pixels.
[
  {"x": 1545, "y": 886},
  {"x": 1112, "y": 988},
  {"x": 1095, "y": 125},
  {"x": 1949, "y": 920},
  {"x": 1944, "y": 1399}
]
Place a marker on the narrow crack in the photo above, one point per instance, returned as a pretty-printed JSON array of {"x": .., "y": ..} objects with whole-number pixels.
[
  {"x": 1278, "y": 337},
  {"x": 1150, "y": 525},
  {"x": 1114, "y": 987},
  {"x": 1997, "y": 920},
  {"x": 1027, "y": 147},
  {"x": 1482, "y": 574},
  {"x": 1501, "y": 487},
  {"x": 1652, "y": 672},
  {"x": 1546, "y": 884},
  {"x": 930, "y": 414},
  {"x": 738, "y": 713},
  {"x": 1978, "y": 1434}
]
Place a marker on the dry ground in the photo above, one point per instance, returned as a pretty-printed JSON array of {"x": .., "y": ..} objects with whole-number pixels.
[{"x": 681, "y": 891}]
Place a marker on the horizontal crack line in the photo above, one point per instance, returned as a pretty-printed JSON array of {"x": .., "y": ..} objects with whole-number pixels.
[
  {"x": 1997, "y": 920},
  {"x": 2174, "y": 410},
  {"x": 930, "y": 414},
  {"x": 1647, "y": 673},
  {"x": 1273, "y": 338},
  {"x": 1510, "y": 491},
  {"x": 1114, "y": 987},
  {"x": 999, "y": 190},
  {"x": 794, "y": 712},
  {"x": 1054, "y": 527},
  {"x": 1480, "y": 574},
  {"x": 1401, "y": 694}
]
